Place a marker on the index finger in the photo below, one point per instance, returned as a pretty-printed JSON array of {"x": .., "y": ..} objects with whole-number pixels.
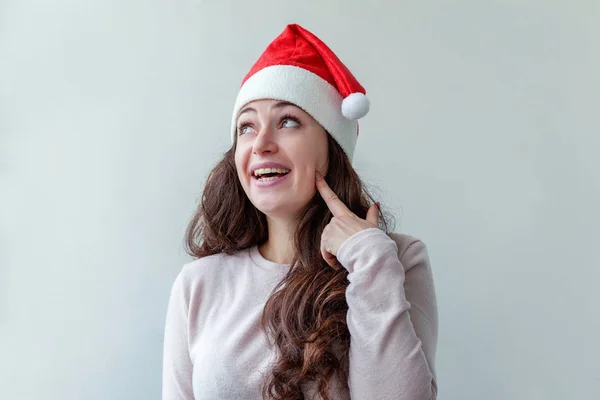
[{"x": 337, "y": 207}]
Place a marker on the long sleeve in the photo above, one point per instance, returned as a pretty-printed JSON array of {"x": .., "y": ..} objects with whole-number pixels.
[
  {"x": 392, "y": 317},
  {"x": 177, "y": 365}
]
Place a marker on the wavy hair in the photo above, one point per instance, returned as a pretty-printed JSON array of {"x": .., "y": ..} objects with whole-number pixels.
[{"x": 305, "y": 316}]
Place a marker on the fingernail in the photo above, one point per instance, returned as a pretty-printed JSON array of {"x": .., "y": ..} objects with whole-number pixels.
[{"x": 319, "y": 177}]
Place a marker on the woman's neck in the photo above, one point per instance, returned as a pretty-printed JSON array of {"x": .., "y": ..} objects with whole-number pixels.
[{"x": 279, "y": 247}]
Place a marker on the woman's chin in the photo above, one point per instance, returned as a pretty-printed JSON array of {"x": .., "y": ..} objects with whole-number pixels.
[{"x": 283, "y": 210}]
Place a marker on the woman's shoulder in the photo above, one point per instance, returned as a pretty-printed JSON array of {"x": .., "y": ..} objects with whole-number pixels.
[
  {"x": 208, "y": 266},
  {"x": 411, "y": 249}
]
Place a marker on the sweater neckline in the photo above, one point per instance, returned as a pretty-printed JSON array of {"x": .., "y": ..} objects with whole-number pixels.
[{"x": 262, "y": 262}]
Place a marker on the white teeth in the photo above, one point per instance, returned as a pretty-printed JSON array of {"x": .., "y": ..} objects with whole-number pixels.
[
  {"x": 260, "y": 171},
  {"x": 269, "y": 178}
]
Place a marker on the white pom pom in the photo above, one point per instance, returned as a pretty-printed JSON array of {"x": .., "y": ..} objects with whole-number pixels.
[{"x": 355, "y": 106}]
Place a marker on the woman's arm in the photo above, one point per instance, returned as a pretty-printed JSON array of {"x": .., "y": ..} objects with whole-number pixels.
[
  {"x": 392, "y": 318},
  {"x": 177, "y": 365}
]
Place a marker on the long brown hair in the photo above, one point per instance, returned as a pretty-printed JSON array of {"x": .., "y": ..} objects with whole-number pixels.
[{"x": 305, "y": 317}]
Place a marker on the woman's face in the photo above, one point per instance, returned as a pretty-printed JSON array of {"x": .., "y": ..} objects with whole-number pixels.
[{"x": 276, "y": 134}]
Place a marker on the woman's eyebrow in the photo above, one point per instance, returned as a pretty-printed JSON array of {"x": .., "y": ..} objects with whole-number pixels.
[
  {"x": 247, "y": 109},
  {"x": 278, "y": 105}
]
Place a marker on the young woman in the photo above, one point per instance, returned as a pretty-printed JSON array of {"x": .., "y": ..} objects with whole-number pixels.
[{"x": 298, "y": 290}]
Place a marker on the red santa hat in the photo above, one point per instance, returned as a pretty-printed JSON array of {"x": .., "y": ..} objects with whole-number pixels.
[{"x": 299, "y": 68}]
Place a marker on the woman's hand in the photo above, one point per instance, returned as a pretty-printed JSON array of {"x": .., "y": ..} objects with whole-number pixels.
[{"x": 343, "y": 224}]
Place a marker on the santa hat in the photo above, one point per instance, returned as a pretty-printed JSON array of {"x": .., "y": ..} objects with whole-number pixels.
[{"x": 299, "y": 68}]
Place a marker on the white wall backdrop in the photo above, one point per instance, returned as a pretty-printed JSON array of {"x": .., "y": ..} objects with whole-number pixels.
[{"x": 484, "y": 139}]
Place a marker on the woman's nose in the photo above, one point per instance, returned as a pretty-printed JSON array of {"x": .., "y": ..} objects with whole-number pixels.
[{"x": 264, "y": 142}]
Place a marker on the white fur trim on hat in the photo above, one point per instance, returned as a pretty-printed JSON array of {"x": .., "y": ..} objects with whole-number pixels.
[{"x": 306, "y": 90}]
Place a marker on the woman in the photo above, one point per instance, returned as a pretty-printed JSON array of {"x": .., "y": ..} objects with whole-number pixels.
[{"x": 296, "y": 292}]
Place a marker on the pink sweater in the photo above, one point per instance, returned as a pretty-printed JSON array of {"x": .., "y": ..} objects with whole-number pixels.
[{"x": 214, "y": 347}]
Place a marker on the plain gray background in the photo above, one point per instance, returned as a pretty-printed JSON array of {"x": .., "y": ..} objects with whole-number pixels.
[{"x": 483, "y": 139}]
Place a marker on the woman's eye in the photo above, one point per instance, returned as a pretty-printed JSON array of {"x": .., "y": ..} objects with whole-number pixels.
[
  {"x": 290, "y": 123},
  {"x": 244, "y": 129}
]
